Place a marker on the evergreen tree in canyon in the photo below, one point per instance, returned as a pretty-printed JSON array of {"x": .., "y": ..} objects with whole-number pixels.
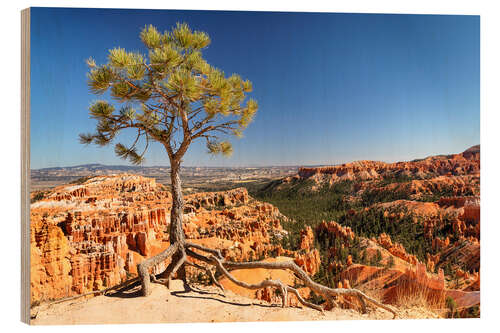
[{"x": 172, "y": 96}]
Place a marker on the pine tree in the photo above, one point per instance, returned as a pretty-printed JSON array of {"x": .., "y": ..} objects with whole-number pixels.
[{"x": 171, "y": 95}]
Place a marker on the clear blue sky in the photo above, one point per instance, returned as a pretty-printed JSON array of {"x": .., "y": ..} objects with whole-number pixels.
[{"x": 332, "y": 88}]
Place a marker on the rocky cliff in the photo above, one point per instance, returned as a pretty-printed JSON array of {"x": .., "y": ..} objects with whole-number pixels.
[
  {"x": 465, "y": 163},
  {"x": 89, "y": 236}
]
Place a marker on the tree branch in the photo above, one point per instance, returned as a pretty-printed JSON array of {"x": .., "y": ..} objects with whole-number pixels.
[{"x": 226, "y": 125}]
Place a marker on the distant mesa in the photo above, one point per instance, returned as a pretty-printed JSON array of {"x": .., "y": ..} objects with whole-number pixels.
[
  {"x": 474, "y": 149},
  {"x": 465, "y": 163}
]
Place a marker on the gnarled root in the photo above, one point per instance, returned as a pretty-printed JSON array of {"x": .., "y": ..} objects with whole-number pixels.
[
  {"x": 205, "y": 249},
  {"x": 144, "y": 267},
  {"x": 215, "y": 258},
  {"x": 176, "y": 265},
  {"x": 208, "y": 271},
  {"x": 327, "y": 293},
  {"x": 265, "y": 283}
]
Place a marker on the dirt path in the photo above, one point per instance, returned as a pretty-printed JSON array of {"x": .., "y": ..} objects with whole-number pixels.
[{"x": 206, "y": 304}]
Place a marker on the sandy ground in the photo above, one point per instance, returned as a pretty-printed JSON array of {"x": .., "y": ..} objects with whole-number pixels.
[{"x": 205, "y": 304}]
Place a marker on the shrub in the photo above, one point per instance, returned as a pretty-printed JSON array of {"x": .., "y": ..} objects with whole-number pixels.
[
  {"x": 390, "y": 262},
  {"x": 39, "y": 196},
  {"x": 80, "y": 180},
  {"x": 452, "y": 307}
]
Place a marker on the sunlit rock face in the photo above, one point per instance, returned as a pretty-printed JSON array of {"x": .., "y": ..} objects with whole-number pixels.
[
  {"x": 466, "y": 163},
  {"x": 89, "y": 236}
]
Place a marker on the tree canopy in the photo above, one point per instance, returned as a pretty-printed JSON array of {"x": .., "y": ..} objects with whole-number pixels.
[{"x": 170, "y": 95}]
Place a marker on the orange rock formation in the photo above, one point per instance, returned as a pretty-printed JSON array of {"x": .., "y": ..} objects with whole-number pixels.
[
  {"x": 467, "y": 162},
  {"x": 90, "y": 236}
]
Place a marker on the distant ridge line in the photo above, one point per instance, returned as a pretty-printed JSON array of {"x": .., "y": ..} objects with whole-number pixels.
[{"x": 473, "y": 149}]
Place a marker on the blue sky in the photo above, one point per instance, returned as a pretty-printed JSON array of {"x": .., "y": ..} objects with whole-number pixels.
[{"x": 332, "y": 88}]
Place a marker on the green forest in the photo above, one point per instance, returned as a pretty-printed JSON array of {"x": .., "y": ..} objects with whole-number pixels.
[{"x": 307, "y": 204}]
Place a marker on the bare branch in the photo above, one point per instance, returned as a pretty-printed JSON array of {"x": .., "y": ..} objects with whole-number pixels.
[{"x": 226, "y": 125}]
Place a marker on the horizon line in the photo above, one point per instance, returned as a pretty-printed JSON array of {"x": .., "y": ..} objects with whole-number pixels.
[{"x": 239, "y": 167}]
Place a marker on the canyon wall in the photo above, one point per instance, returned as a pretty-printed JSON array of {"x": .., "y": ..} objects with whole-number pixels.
[
  {"x": 90, "y": 236},
  {"x": 465, "y": 163}
]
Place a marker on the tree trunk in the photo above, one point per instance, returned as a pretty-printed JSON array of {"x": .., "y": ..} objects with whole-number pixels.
[
  {"x": 176, "y": 231},
  {"x": 177, "y": 239}
]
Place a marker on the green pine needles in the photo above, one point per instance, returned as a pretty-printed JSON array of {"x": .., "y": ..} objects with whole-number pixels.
[{"x": 170, "y": 95}]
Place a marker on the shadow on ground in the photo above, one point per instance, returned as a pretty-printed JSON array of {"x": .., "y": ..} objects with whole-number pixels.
[{"x": 134, "y": 290}]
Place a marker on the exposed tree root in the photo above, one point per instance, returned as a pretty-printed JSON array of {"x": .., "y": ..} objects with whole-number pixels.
[
  {"x": 327, "y": 293},
  {"x": 205, "y": 249},
  {"x": 176, "y": 267},
  {"x": 209, "y": 272},
  {"x": 266, "y": 283},
  {"x": 216, "y": 259},
  {"x": 303, "y": 301},
  {"x": 144, "y": 266}
]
